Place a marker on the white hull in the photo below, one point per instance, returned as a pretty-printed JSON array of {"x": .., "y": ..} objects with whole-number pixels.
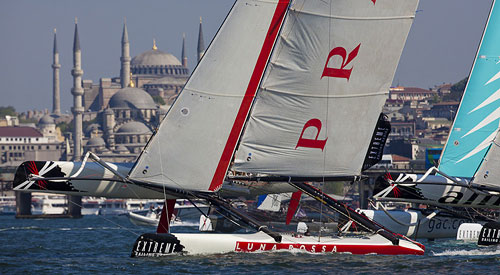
[
  {"x": 143, "y": 220},
  {"x": 413, "y": 223},
  {"x": 209, "y": 243}
]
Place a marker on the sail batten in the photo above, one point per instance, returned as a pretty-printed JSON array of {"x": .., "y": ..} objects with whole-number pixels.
[
  {"x": 323, "y": 95},
  {"x": 411, "y": 16}
]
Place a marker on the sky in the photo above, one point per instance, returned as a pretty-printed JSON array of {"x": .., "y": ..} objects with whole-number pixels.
[{"x": 440, "y": 48}]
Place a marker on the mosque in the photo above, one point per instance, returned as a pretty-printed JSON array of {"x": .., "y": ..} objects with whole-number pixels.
[{"x": 120, "y": 113}]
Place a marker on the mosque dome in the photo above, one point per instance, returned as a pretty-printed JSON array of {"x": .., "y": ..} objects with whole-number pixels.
[
  {"x": 91, "y": 128},
  {"x": 132, "y": 98},
  {"x": 155, "y": 58},
  {"x": 134, "y": 127},
  {"x": 120, "y": 149},
  {"x": 46, "y": 119},
  {"x": 96, "y": 142}
]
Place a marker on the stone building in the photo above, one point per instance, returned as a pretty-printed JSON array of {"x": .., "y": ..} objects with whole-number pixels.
[
  {"x": 20, "y": 143},
  {"x": 157, "y": 72},
  {"x": 125, "y": 112}
]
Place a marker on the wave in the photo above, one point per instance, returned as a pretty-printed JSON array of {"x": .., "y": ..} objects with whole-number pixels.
[{"x": 487, "y": 251}]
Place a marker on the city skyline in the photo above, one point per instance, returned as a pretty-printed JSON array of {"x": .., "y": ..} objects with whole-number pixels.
[{"x": 440, "y": 48}]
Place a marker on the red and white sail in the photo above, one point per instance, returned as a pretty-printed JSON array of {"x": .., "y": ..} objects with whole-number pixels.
[
  {"x": 196, "y": 140},
  {"x": 324, "y": 88},
  {"x": 313, "y": 76}
]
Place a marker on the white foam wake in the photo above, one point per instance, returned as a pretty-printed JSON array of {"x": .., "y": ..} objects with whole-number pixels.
[{"x": 487, "y": 251}]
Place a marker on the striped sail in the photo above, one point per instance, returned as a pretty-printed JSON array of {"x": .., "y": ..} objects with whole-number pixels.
[
  {"x": 324, "y": 87},
  {"x": 478, "y": 117},
  {"x": 194, "y": 144}
]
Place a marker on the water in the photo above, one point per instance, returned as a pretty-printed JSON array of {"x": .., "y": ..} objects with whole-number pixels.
[{"x": 94, "y": 244}]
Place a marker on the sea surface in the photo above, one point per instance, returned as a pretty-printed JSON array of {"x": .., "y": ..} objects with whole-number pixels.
[{"x": 102, "y": 244}]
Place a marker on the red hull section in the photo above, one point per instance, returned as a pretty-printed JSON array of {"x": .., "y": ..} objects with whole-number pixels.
[{"x": 327, "y": 248}]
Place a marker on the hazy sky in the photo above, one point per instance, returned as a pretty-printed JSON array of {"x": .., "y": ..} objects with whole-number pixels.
[{"x": 440, "y": 48}]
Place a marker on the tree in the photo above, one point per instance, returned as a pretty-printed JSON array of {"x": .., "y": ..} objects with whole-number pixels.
[
  {"x": 457, "y": 90},
  {"x": 159, "y": 100},
  {"x": 7, "y": 111}
]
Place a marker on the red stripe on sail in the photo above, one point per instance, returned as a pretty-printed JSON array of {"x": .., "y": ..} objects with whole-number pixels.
[
  {"x": 292, "y": 207},
  {"x": 166, "y": 216},
  {"x": 253, "y": 84}
]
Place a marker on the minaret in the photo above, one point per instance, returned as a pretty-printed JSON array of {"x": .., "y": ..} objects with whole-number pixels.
[
  {"x": 125, "y": 59},
  {"x": 56, "y": 100},
  {"x": 77, "y": 92},
  {"x": 183, "y": 55},
  {"x": 201, "y": 43}
]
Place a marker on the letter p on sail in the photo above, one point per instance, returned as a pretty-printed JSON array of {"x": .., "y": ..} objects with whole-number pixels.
[{"x": 312, "y": 143}]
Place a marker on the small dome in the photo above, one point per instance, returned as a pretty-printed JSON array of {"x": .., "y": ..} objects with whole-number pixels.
[
  {"x": 155, "y": 58},
  {"x": 121, "y": 149},
  {"x": 96, "y": 142},
  {"x": 46, "y": 119},
  {"x": 132, "y": 98},
  {"x": 92, "y": 127},
  {"x": 134, "y": 127},
  {"x": 108, "y": 111}
]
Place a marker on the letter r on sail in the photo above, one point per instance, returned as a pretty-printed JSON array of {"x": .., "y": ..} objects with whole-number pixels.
[
  {"x": 312, "y": 143},
  {"x": 340, "y": 72}
]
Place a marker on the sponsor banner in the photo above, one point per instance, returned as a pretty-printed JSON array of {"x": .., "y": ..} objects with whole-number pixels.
[
  {"x": 326, "y": 248},
  {"x": 490, "y": 234},
  {"x": 155, "y": 245},
  {"x": 379, "y": 137}
]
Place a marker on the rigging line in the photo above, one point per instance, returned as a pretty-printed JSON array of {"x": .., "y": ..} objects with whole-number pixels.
[
  {"x": 326, "y": 125},
  {"x": 287, "y": 196},
  {"x": 480, "y": 214}
]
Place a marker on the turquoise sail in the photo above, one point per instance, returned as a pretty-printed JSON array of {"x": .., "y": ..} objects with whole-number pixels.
[{"x": 478, "y": 117}]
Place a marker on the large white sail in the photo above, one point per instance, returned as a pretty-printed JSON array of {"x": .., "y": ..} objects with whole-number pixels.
[
  {"x": 195, "y": 142},
  {"x": 324, "y": 88}
]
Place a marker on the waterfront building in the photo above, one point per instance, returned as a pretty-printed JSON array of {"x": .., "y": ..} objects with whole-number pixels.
[{"x": 20, "y": 143}]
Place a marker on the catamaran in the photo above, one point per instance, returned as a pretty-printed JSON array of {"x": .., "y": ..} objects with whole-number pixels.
[
  {"x": 288, "y": 92},
  {"x": 467, "y": 174}
]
